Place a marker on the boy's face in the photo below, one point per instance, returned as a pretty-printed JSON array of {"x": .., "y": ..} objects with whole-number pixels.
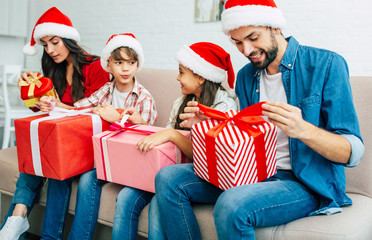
[
  {"x": 122, "y": 70},
  {"x": 258, "y": 44}
]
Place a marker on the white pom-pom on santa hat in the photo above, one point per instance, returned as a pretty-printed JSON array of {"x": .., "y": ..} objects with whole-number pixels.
[
  {"x": 241, "y": 13},
  {"x": 52, "y": 23},
  {"x": 207, "y": 60},
  {"x": 29, "y": 50},
  {"x": 122, "y": 40}
]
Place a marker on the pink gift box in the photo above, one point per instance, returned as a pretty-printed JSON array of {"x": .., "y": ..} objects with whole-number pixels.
[{"x": 118, "y": 160}]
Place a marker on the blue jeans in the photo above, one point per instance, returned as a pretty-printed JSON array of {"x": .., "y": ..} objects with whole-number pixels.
[
  {"x": 27, "y": 192},
  {"x": 278, "y": 200},
  {"x": 87, "y": 206},
  {"x": 58, "y": 199},
  {"x": 86, "y": 210},
  {"x": 129, "y": 205}
]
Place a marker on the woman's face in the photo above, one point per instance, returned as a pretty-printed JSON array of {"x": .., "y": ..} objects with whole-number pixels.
[
  {"x": 190, "y": 82},
  {"x": 56, "y": 49}
]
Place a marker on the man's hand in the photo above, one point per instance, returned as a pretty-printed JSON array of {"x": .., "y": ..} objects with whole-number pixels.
[
  {"x": 191, "y": 115},
  {"x": 288, "y": 118}
]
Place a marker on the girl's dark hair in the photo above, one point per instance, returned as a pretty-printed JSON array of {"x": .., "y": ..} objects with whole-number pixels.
[
  {"x": 207, "y": 96},
  {"x": 57, "y": 71}
]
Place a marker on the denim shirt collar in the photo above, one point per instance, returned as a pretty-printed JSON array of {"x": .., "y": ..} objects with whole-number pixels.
[
  {"x": 289, "y": 57},
  {"x": 290, "y": 54}
]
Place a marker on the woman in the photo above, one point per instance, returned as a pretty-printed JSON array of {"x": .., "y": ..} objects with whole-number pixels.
[{"x": 75, "y": 75}]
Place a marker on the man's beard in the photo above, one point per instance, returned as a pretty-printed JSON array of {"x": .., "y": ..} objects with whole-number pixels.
[{"x": 270, "y": 55}]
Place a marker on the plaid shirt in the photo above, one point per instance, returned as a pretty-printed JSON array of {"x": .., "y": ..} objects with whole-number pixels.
[{"x": 138, "y": 98}]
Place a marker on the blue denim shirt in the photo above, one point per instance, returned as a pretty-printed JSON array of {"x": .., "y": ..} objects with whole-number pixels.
[{"x": 316, "y": 81}]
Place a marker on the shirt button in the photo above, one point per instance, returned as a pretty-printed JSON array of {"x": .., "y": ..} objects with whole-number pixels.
[
  {"x": 257, "y": 90},
  {"x": 258, "y": 74},
  {"x": 289, "y": 65}
]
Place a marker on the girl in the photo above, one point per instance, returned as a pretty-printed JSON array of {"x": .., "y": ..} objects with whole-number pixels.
[
  {"x": 75, "y": 75},
  {"x": 203, "y": 67},
  {"x": 122, "y": 57}
]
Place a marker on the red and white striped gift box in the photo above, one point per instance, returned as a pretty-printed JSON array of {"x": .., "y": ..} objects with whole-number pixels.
[{"x": 234, "y": 148}]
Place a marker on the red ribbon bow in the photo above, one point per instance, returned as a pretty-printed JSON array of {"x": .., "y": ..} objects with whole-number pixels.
[{"x": 244, "y": 121}]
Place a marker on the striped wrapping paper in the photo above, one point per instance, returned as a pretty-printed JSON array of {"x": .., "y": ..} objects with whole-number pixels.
[{"x": 234, "y": 148}]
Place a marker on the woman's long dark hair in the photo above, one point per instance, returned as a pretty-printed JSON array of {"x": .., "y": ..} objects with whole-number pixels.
[
  {"x": 207, "y": 96},
  {"x": 57, "y": 71}
]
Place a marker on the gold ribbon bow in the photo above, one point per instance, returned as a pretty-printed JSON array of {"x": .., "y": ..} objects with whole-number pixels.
[{"x": 33, "y": 82}]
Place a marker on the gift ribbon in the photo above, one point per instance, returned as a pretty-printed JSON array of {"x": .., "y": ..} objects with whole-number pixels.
[
  {"x": 33, "y": 82},
  {"x": 56, "y": 113},
  {"x": 115, "y": 129},
  {"x": 244, "y": 121}
]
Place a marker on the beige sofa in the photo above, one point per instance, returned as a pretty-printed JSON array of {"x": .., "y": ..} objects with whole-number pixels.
[{"x": 353, "y": 223}]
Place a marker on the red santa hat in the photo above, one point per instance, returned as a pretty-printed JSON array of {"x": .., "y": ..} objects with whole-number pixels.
[
  {"x": 122, "y": 40},
  {"x": 54, "y": 23},
  {"x": 241, "y": 13},
  {"x": 208, "y": 60}
]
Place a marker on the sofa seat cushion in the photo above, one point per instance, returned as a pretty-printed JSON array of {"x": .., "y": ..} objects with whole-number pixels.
[
  {"x": 353, "y": 223},
  {"x": 9, "y": 170}
]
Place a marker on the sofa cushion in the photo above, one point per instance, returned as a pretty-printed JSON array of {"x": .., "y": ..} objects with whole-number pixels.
[
  {"x": 353, "y": 223},
  {"x": 161, "y": 83},
  {"x": 359, "y": 178},
  {"x": 9, "y": 170}
]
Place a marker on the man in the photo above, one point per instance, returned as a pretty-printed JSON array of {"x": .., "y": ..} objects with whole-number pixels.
[{"x": 309, "y": 99}]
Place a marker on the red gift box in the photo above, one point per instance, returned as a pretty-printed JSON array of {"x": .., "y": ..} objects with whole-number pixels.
[
  {"x": 58, "y": 145},
  {"x": 233, "y": 149},
  {"x": 38, "y": 87},
  {"x": 118, "y": 160}
]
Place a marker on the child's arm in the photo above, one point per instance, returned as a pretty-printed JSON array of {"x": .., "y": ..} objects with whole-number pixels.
[
  {"x": 135, "y": 116},
  {"x": 167, "y": 135},
  {"x": 108, "y": 113}
]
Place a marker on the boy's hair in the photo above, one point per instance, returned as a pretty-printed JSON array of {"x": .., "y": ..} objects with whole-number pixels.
[
  {"x": 207, "y": 96},
  {"x": 116, "y": 55}
]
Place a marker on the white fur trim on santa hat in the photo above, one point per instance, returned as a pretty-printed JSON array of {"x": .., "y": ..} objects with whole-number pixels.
[
  {"x": 122, "y": 41},
  {"x": 252, "y": 15},
  {"x": 198, "y": 65},
  {"x": 55, "y": 29},
  {"x": 29, "y": 50}
]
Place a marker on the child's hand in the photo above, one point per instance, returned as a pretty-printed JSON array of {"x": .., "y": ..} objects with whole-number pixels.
[
  {"x": 135, "y": 116},
  {"x": 149, "y": 142},
  {"x": 191, "y": 115},
  {"x": 46, "y": 103},
  {"x": 108, "y": 113}
]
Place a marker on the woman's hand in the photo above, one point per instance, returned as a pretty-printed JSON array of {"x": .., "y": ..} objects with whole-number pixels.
[
  {"x": 149, "y": 142},
  {"x": 24, "y": 77},
  {"x": 108, "y": 113},
  {"x": 135, "y": 116},
  {"x": 46, "y": 104}
]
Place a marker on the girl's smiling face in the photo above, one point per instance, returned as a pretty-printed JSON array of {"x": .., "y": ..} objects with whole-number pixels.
[
  {"x": 191, "y": 83},
  {"x": 55, "y": 48}
]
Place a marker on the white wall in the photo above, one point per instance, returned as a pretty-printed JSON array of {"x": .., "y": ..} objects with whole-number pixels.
[
  {"x": 162, "y": 26},
  {"x": 11, "y": 50}
]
